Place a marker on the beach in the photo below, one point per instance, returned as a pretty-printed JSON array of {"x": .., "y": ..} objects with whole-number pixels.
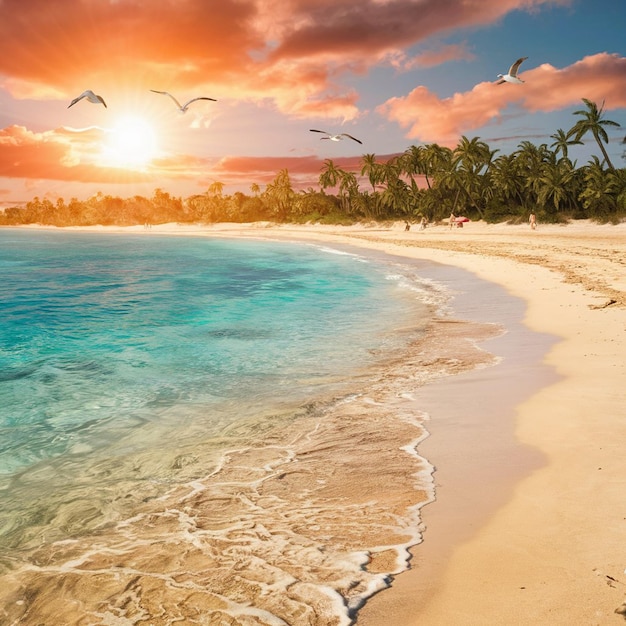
[
  {"x": 531, "y": 530},
  {"x": 553, "y": 551}
]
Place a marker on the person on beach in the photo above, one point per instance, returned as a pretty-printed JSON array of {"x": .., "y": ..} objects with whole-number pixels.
[
  {"x": 423, "y": 223},
  {"x": 532, "y": 220},
  {"x": 452, "y": 220}
]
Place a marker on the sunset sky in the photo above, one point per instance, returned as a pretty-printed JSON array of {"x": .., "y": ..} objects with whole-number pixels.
[{"x": 393, "y": 73}]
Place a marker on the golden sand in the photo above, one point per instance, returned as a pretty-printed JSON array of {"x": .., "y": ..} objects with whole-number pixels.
[
  {"x": 553, "y": 552},
  {"x": 549, "y": 549}
]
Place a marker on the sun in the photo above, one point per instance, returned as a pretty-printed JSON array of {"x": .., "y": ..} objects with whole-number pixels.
[{"x": 131, "y": 143}]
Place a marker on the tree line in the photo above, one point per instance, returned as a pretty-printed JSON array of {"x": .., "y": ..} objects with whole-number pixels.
[{"x": 429, "y": 181}]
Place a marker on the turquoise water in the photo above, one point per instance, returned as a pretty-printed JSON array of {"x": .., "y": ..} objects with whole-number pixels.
[
  {"x": 102, "y": 334},
  {"x": 98, "y": 330},
  {"x": 133, "y": 364}
]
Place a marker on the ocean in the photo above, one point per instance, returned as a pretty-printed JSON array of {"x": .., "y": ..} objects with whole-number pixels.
[{"x": 208, "y": 431}]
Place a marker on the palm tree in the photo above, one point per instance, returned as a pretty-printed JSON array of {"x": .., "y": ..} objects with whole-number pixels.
[
  {"x": 472, "y": 154},
  {"x": 470, "y": 158},
  {"x": 331, "y": 174},
  {"x": 348, "y": 190},
  {"x": 562, "y": 141},
  {"x": 280, "y": 194},
  {"x": 436, "y": 160},
  {"x": 371, "y": 169},
  {"x": 413, "y": 162},
  {"x": 530, "y": 160},
  {"x": 507, "y": 179},
  {"x": 593, "y": 123},
  {"x": 216, "y": 188},
  {"x": 596, "y": 195},
  {"x": 555, "y": 182},
  {"x": 396, "y": 196},
  {"x": 617, "y": 185}
]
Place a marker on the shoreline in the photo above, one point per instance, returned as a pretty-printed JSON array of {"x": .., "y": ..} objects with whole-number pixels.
[{"x": 551, "y": 551}]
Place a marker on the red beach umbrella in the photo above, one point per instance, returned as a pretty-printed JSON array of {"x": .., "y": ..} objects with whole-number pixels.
[{"x": 463, "y": 219}]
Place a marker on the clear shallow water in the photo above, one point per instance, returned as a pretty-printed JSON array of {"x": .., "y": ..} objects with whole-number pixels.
[
  {"x": 102, "y": 334},
  {"x": 176, "y": 408}
]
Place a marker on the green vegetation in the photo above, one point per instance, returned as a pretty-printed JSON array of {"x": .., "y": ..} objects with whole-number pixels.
[{"x": 424, "y": 181}]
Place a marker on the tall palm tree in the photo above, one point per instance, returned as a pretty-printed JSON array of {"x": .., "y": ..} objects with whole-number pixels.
[
  {"x": 596, "y": 195},
  {"x": 348, "y": 190},
  {"x": 331, "y": 175},
  {"x": 618, "y": 187},
  {"x": 555, "y": 182},
  {"x": 593, "y": 123},
  {"x": 436, "y": 160},
  {"x": 396, "y": 196},
  {"x": 472, "y": 154},
  {"x": 371, "y": 169},
  {"x": 413, "y": 162},
  {"x": 530, "y": 160},
  {"x": 507, "y": 179},
  {"x": 280, "y": 194},
  {"x": 562, "y": 141},
  {"x": 471, "y": 159},
  {"x": 216, "y": 188}
]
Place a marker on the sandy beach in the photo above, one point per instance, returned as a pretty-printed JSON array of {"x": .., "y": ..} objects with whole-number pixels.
[
  {"x": 544, "y": 543},
  {"x": 553, "y": 552}
]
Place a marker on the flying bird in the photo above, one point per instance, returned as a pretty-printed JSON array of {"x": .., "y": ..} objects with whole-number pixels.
[
  {"x": 511, "y": 77},
  {"x": 182, "y": 107},
  {"x": 335, "y": 137},
  {"x": 91, "y": 97}
]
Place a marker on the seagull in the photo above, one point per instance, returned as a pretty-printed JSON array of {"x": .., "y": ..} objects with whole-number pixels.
[
  {"x": 511, "y": 77},
  {"x": 91, "y": 96},
  {"x": 335, "y": 137},
  {"x": 182, "y": 108}
]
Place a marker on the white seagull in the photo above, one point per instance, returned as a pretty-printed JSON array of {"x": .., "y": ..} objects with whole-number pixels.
[
  {"x": 91, "y": 97},
  {"x": 511, "y": 77},
  {"x": 335, "y": 137},
  {"x": 182, "y": 107}
]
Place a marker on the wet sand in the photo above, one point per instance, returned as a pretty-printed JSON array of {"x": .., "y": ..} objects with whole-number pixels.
[{"x": 534, "y": 533}]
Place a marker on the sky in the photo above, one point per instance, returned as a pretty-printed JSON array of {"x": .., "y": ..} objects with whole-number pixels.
[{"x": 392, "y": 73}]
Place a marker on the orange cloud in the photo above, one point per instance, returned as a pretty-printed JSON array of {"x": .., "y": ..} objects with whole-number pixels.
[
  {"x": 303, "y": 171},
  {"x": 290, "y": 53},
  {"x": 600, "y": 78},
  {"x": 52, "y": 156},
  {"x": 349, "y": 29},
  {"x": 66, "y": 43},
  {"x": 439, "y": 56},
  {"x": 71, "y": 155}
]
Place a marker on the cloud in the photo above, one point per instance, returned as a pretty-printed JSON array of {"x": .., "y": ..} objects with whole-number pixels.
[
  {"x": 438, "y": 56},
  {"x": 64, "y": 43},
  {"x": 343, "y": 36},
  {"x": 68, "y": 154},
  {"x": 303, "y": 171},
  {"x": 347, "y": 29},
  {"x": 62, "y": 155},
  {"x": 263, "y": 170},
  {"x": 599, "y": 78},
  {"x": 25, "y": 154},
  {"x": 292, "y": 54}
]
